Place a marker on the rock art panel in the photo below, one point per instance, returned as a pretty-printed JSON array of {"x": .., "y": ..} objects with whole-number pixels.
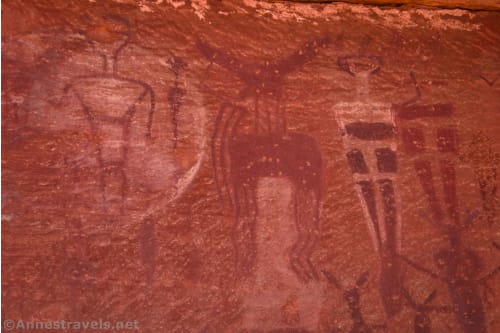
[{"x": 226, "y": 166}]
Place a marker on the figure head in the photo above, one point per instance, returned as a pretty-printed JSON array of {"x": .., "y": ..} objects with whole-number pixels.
[
  {"x": 109, "y": 33},
  {"x": 422, "y": 323},
  {"x": 360, "y": 65},
  {"x": 352, "y": 298},
  {"x": 445, "y": 260}
]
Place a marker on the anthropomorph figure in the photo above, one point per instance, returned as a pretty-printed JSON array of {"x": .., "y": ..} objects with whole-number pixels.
[
  {"x": 242, "y": 155},
  {"x": 419, "y": 140},
  {"x": 369, "y": 139},
  {"x": 459, "y": 268},
  {"x": 119, "y": 110}
]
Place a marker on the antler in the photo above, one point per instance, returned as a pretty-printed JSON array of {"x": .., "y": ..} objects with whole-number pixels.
[
  {"x": 431, "y": 297},
  {"x": 362, "y": 278},
  {"x": 470, "y": 216},
  {"x": 408, "y": 297},
  {"x": 329, "y": 276}
]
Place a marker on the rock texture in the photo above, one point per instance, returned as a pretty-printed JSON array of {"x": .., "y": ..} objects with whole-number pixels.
[
  {"x": 206, "y": 166},
  {"x": 453, "y": 4}
]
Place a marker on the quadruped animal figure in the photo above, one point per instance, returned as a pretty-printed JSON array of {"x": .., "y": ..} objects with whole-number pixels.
[
  {"x": 352, "y": 297},
  {"x": 241, "y": 155},
  {"x": 422, "y": 320}
]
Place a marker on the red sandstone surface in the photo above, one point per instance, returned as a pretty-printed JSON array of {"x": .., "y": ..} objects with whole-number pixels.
[{"x": 207, "y": 166}]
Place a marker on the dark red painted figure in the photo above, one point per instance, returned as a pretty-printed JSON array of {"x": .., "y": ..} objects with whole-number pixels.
[
  {"x": 242, "y": 156},
  {"x": 459, "y": 268},
  {"x": 352, "y": 297},
  {"x": 417, "y": 140},
  {"x": 422, "y": 321}
]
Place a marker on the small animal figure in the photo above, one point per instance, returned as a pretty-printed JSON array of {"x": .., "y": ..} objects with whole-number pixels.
[
  {"x": 352, "y": 297},
  {"x": 422, "y": 321}
]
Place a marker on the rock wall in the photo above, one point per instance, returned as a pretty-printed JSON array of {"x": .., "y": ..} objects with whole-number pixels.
[
  {"x": 207, "y": 166},
  {"x": 454, "y": 4}
]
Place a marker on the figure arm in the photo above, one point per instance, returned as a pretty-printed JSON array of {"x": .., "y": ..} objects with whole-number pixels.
[
  {"x": 71, "y": 101},
  {"x": 329, "y": 276},
  {"x": 440, "y": 309},
  {"x": 422, "y": 269},
  {"x": 489, "y": 275},
  {"x": 67, "y": 88},
  {"x": 484, "y": 281},
  {"x": 418, "y": 94},
  {"x": 382, "y": 327},
  {"x": 223, "y": 59},
  {"x": 408, "y": 297},
  {"x": 303, "y": 55}
]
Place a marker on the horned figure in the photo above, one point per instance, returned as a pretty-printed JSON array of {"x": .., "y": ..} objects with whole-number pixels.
[
  {"x": 459, "y": 268},
  {"x": 251, "y": 143},
  {"x": 352, "y": 297},
  {"x": 422, "y": 320}
]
